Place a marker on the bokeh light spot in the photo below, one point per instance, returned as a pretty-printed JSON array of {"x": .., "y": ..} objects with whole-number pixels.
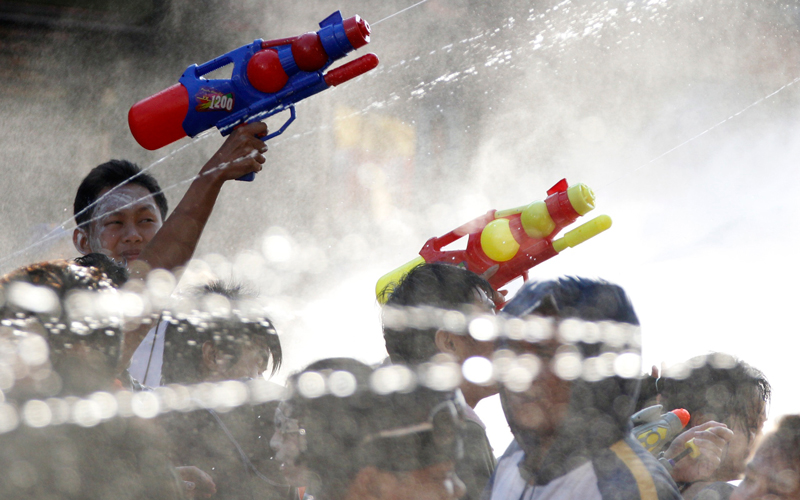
[
  {"x": 628, "y": 365},
  {"x": 342, "y": 383},
  {"x": 37, "y": 414},
  {"x": 33, "y": 350},
  {"x": 478, "y": 370},
  {"x": 482, "y": 329},
  {"x": 311, "y": 385},
  {"x": 145, "y": 405}
]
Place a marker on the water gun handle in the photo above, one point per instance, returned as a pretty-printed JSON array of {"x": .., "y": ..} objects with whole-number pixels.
[{"x": 264, "y": 137}]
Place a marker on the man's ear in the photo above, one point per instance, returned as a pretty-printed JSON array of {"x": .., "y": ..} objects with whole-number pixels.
[
  {"x": 209, "y": 356},
  {"x": 80, "y": 238},
  {"x": 444, "y": 342}
]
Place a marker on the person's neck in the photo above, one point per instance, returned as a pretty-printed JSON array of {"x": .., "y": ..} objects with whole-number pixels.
[
  {"x": 473, "y": 394},
  {"x": 534, "y": 456}
]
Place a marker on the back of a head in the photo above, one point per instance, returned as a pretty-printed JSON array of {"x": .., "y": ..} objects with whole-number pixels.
[
  {"x": 107, "y": 176},
  {"x": 719, "y": 387},
  {"x": 351, "y": 426},
  {"x": 57, "y": 301},
  {"x": 436, "y": 285}
]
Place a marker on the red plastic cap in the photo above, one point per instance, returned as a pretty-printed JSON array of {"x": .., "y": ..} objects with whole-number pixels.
[
  {"x": 308, "y": 52},
  {"x": 357, "y": 31},
  {"x": 158, "y": 120},
  {"x": 683, "y": 415},
  {"x": 351, "y": 70},
  {"x": 265, "y": 72}
]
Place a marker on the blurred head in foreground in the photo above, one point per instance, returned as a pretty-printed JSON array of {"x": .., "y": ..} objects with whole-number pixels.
[
  {"x": 65, "y": 324},
  {"x": 774, "y": 472},
  {"x": 570, "y": 391},
  {"x": 214, "y": 346},
  {"x": 430, "y": 290},
  {"x": 355, "y": 443},
  {"x": 725, "y": 390}
]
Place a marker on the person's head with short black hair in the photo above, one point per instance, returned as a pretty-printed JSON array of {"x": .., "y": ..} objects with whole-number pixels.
[
  {"x": 575, "y": 324},
  {"x": 57, "y": 301},
  {"x": 357, "y": 438},
  {"x": 208, "y": 346},
  {"x": 412, "y": 328},
  {"x": 118, "y": 208},
  {"x": 723, "y": 389}
]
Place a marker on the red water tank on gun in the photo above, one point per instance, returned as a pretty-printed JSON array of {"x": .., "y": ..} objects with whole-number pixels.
[{"x": 158, "y": 120}]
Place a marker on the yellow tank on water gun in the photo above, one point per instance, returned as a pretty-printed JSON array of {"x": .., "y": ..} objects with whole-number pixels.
[{"x": 513, "y": 240}]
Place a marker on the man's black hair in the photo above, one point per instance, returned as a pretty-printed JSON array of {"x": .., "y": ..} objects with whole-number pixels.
[
  {"x": 184, "y": 338},
  {"x": 65, "y": 331},
  {"x": 733, "y": 389},
  {"x": 437, "y": 285},
  {"x": 569, "y": 297},
  {"x": 116, "y": 273},
  {"x": 109, "y": 175}
]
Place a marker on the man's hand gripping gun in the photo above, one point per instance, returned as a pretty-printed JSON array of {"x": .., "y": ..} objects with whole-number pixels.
[
  {"x": 267, "y": 78},
  {"x": 655, "y": 431},
  {"x": 512, "y": 241}
]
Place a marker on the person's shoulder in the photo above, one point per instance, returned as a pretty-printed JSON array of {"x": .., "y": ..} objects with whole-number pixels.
[{"x": 625, "y": 470}]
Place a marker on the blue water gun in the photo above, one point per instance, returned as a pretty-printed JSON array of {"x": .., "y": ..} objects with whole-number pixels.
[{"x": 267, "y": 78}]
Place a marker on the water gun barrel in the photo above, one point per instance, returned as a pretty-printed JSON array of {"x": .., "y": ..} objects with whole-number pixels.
[
  {"x": 655, "y": 430},
  {"x": 267, "y": 77},
  {"x": 387, "y": 282},
  {"x": 158, "y": 120},
  {"x": 582, "y": 233}
]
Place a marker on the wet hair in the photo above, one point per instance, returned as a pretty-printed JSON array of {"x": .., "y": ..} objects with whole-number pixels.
[
  {"x": 338, "y": 429},
  {"x": 116, "y": 273},
  {"x": 109, "y": 175},
  {"x": 436, "y": 285},
  {"x": 231, "y": 336},
  {"x": 49, "y": 316},
  {"x": 734, "y": 389}
]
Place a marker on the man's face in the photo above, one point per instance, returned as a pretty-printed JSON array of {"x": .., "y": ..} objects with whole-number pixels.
[
  {"x": 543, "y": 406},
  {"x": 769, "y": 476},
  {"x": 436, "y": 482},
  {"x": 126, "y": 221},
  {"x": 250, "y": 363},
  {"x": 741, "y": 445}
]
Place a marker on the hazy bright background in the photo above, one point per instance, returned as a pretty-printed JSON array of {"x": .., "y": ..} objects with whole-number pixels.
[{"x": 681, "y": 115}]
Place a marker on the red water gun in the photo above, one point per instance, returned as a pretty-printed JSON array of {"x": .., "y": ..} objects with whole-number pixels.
[{"x": 512, "y": 240}]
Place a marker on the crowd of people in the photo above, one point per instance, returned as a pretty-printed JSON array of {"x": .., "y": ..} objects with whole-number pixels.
[{"x": 174, "y": 402}]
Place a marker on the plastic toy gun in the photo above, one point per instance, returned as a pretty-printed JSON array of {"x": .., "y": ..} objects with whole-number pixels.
[
  {"x": 267, "y": 78},
  {"x": 655, "y": 430},
  {"x": 514, "y": 240}
]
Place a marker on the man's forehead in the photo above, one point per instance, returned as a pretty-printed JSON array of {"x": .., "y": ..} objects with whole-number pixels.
[{"x": 130, "y": 197}]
